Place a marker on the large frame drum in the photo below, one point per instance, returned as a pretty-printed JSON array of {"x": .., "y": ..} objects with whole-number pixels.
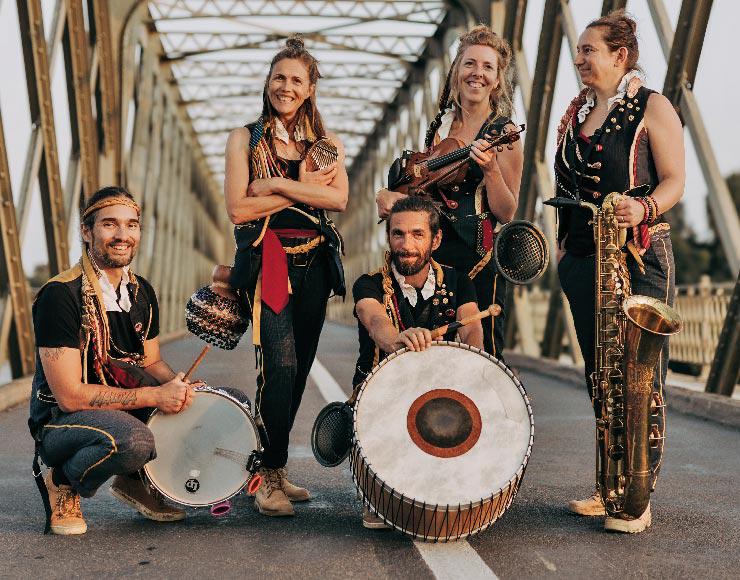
[
  {"x": 205, "y": 453},
  {"x": 441, "y": 440}
]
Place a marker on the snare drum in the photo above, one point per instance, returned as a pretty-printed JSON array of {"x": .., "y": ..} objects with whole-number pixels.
[
  {"x": 205, "y": 454},
  {"x": 441, "y": 440}
]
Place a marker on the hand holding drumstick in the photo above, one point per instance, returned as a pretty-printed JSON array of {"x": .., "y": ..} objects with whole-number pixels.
[{"x": 418, "y": 339}]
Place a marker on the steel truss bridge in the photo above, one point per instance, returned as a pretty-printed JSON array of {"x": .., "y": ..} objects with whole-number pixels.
[{"x": 152, "y": 88}]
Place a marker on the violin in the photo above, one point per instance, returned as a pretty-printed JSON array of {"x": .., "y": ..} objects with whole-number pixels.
[{"x": 416, "y": 172}]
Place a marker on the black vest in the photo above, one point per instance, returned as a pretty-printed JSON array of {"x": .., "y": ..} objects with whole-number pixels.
[
  {"x": 467, "y": 229},
  {"x": 248, "y": 258},
  {"x": 616, "y": 158}
]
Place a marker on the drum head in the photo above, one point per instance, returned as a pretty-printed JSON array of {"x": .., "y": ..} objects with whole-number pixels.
[
  {"x": 447, "y": 426},
  {"x": 202, "y": 452}
]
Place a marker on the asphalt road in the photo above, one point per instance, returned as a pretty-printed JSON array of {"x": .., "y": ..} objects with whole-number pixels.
[{"x": 696, "y": 509}]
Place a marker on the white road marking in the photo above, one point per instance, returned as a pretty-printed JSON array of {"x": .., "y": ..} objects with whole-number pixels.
[
  {"x": 450, "y": 560},
  {"x": 549, "y": 565},
  {"x": 454, "y": 560},
  {"x": 329, "y": 388}
]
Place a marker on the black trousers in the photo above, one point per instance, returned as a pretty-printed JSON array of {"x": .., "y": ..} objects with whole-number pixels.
[
  {"x": 577, "y": 278},
  {"x": 490, "y": 288},
  {"x": 289, "y": 342}
]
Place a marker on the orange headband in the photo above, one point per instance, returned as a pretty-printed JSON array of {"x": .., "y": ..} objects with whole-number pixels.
[{"x": 109, "y": 201}]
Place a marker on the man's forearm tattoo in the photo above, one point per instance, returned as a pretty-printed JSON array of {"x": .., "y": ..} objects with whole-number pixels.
[{"x": 111, "y": 396}]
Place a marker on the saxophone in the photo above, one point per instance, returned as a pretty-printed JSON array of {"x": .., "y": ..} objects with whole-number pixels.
[{"x": 630, "y": 331}]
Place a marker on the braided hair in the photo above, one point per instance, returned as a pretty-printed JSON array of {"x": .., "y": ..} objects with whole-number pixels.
[{"x": 500, "y": 100}]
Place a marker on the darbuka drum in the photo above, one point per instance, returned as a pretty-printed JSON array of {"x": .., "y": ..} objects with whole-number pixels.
[
  {"x": 441, "y": 440},
  {"x": 205, "y": 453}
]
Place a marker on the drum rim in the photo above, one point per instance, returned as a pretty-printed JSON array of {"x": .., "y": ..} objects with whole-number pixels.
[
  {"x": 357, "y": 447},
  {"x": 511, "y": 486},
  {"x": 245, "y": 409}
]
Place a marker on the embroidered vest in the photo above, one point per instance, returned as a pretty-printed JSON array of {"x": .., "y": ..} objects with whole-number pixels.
[
  {"x": 616, "y": 158},
  {"x": 468, "y": 226}
]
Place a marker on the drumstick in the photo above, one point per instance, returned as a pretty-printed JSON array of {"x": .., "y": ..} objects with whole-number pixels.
[
  {"x": 492, "y": 310},
  {"x": 198, "y": 360}
]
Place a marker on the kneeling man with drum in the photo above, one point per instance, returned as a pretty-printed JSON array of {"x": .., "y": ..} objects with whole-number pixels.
[
  {"x": 99, "y": 372},
  {"x": 398, "y": 305}
]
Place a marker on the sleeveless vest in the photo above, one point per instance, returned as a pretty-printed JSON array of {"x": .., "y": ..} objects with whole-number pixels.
[
  {"x": 246, "y": 267},
  {"x": 616, "y": 158},
  {"x": 467, "y": 229}
]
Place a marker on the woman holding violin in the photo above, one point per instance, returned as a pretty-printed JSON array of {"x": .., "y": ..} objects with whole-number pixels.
[{"x": 474, "y": 104}]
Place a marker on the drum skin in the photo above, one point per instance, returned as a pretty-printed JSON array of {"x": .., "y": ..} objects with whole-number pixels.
[
  {"x": 203, "y": 451},
  {"x": 441, "y": 440}
]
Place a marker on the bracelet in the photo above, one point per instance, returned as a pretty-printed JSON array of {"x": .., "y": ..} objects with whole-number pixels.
[
  {"x": 645, "y": 206},
  {"x": 654, "y": 204}
]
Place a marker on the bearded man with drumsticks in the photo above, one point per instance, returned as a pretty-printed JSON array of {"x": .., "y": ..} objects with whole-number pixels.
[
  {"x": 99, "y": 372},
  {"x": 399, "y": 305}
]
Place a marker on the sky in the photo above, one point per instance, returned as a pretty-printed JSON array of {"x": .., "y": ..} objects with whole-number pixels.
[{"x": 717, "y": 86}]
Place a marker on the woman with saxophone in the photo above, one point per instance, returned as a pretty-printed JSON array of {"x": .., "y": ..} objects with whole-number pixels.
[
  {"x": 475, "y": 102},
  {"x": 617, "y": 136}
]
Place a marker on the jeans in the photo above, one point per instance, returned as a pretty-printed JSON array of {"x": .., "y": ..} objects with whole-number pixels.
[{"x": 92, "y": 446}]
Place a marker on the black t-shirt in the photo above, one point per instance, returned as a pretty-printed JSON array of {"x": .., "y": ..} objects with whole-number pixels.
[
  {"x": 290, "y": 217},
  {"x": 57, "y": 322},
  {"x": 371, "y": 286},
  {"x": 57, "y": 319}
]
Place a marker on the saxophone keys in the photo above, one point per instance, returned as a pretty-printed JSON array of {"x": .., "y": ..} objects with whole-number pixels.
[{"x": 655, "y": 437}]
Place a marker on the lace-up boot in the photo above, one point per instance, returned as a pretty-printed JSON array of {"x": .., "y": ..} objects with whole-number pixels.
[
  {"x": 294, "y": 492},
  {"x": 270, "y": 499},
  {"x": 66, "y": 512},
  {"x": 145, "y": 500},
  {"x": 592, "y": 506}
]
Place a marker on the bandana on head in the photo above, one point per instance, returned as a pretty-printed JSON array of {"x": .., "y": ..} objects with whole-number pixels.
[{"x": 109, "y": 201}]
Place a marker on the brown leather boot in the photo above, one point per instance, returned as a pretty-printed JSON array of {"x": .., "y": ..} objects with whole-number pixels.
[
  {"x": 294, "y": 492},
  {"x": 592, "y": 506},
  {"x": 66, "y": 512},
  {"x": 270, "y": 499},
  {"x": 145, "y": 500}
]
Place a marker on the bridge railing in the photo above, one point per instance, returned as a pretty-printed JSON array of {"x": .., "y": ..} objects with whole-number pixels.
[{"x": 702, "y": 306}]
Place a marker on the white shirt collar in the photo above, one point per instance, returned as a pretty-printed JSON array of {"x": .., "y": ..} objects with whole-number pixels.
[
  {"x": 409, "y": 292},
  {"x": 110, "y": 299},
  {"x": 621, "y": 90},
  {"x": 281, "y": 132}
]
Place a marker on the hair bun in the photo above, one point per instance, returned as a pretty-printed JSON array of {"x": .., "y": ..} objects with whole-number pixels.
[
  {"x": 295, "y": 42},
  {"x": 620, "y": 16}
]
